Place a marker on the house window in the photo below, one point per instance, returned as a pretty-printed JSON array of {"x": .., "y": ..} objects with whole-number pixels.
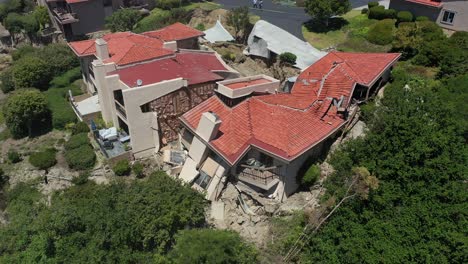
[
  {"x": 145, "y": 108},
  {"x": 203, "y": 180},
  {"x": 448, "y": 17}
]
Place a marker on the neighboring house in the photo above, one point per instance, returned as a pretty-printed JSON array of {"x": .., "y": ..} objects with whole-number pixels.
[
  {"x": 449, "y": 14},
  {"x": 76, "y": 18},
  {"x": 261, "y": 138},
  {"x": 268, "y": 41},
  {"x": 144, "y": 82},
  {"x": 217, "y": 33}
]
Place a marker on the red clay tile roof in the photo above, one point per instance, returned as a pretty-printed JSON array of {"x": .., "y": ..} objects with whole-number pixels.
[
  {"x": 427, "y": 2},
  {"x": 177, "y": 31},
  {"x": 194, "y": 66},
  {"x": 289, "y": 124},
  {"x": 124, "y": 48}
]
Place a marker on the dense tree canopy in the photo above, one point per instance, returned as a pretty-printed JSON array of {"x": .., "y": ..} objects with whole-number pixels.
[
  {"x": 123, "y": 20},
  {"x": 212, "y": 246},
  {"x": 416, "y": 147},
  {"x": 116, "y": 223},
  {"x": 32, "y": 71},
  {"x": 26, "y": 113},
  {"x": 322, "y": 10}
]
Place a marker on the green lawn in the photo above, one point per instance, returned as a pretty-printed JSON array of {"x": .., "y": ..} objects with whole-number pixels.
[{"x": 346, "y": 34}]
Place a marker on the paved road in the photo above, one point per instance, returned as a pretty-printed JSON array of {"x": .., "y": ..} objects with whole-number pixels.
[{"x": 289, "y": 18}]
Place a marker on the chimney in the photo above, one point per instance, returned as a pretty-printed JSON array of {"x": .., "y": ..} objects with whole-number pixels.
[
  {"x": 171, "y": 45},
  {"x": 207, "y": 129},
  {"x": 208, "y": 126},
  {"x": 102, "y": 51}
]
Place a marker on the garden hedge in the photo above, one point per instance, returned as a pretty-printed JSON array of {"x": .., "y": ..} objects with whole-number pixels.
[
  {"x": 372, "y": 4},
  {"x": 81, "y": 158},
  {"x": 379, "y": 13},
  {"x": 43, "y": 159},
  {"x": 404, "y": 16},
  {"x": 77, "y": 141}
]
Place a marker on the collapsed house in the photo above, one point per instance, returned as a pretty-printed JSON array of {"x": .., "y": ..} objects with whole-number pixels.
[
  {"x": 268, "y": 41},
  {"x": 260, "y": 138},
  {"x": 144, "y": 82}
]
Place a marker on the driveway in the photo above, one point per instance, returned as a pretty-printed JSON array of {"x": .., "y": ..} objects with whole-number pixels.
[{"x": 289, "y": 18}]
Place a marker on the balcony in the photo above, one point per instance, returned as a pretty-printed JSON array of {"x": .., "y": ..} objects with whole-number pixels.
[
  {"x": 121, "y": 110},
  {"x": 261, "y": 177},
  {"x": 63, "y": 16}
]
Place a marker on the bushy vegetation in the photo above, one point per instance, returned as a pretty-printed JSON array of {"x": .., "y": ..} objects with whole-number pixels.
[
  {"x": 122, "y": 168},
  {"x": 416, "y": 156},
  {"x": 379, "y": 13},
  {"x": 13, "y": 156},
  {"x": 422, "y": 18},
  {"x": 372, "y": 4},
  {"x": 323, "y": 10},
  {"x": 160, "y": 18},
  {"x": 137, "y": 169},
  {"x": 288, "y": 57},
  {"x": 79, "y": 153},
  {"x": 77, "y": 141},
  {"x": 7, "y": 83},
  {"x": 382, "y": 32},
  {"x": 123, "y": 20},
  {"x": 311, "y": 175},
  {"x": 62, "y": 113},
  {"x": 404, "y": 16},
  {"x": 211, "y": 246},
  {"x": 80, "y": 127},
  {"x": 43, "y": 160},
  {"x": 117, "y": 223},
  {"x": 26, "y": 113},
  {"x": 81, "y": 158},
  {"x": 35, "y": 67}
]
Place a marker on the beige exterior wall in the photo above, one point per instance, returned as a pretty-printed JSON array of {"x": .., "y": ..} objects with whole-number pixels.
[
  {"x": 460, "y": 21},
  {"x": 143, "y": 127}
]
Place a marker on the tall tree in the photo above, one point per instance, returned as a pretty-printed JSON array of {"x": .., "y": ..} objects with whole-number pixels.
[
  {"x": 26, "y": 113},
  {"x": 322, "y": 10},
  {"x": 238, "y": 18}
]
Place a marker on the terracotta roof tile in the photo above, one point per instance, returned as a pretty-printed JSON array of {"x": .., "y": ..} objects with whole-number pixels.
[
  {"x": 288, "y": 124},
  {"x": 177, "y": 31},
  {"x": 196, "y": 67}
]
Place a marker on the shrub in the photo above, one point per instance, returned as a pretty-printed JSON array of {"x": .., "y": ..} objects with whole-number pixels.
[
  {"x": 404, "y": 16},
  {"x": 64, "y": 80},
  {"x": 364, "y": 11},
  {"x": 422, "y": 18},
  {"x": 168, "y": 4},
  {"x": 77, "y": 141},
  {"x": 381, "y": 33},
  {"x": 121, "y": 168},
  {"x": 62, "y": 113},
  {"x": 3, "y": 178},
  {"x": 376, "y": 12},
  {"x": 7, "y": 83},
  {"x": 81, "y": 179},
  {"x": 229, "y": 56},
  {"x": 200, "y": 26},
  {"x": 288, "y": 57},
  {"x": 138, "y": 170},
  {"x": 372, "y": 4},
  {"x": 311, "y": 175},
  {"x": 43, "y": 160},
  {"x": 80, "y": 127},
  {"x": 13, "y": 156},
  {"x": 379, "y": 13},
  {"x": 81, "y": 158}
]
